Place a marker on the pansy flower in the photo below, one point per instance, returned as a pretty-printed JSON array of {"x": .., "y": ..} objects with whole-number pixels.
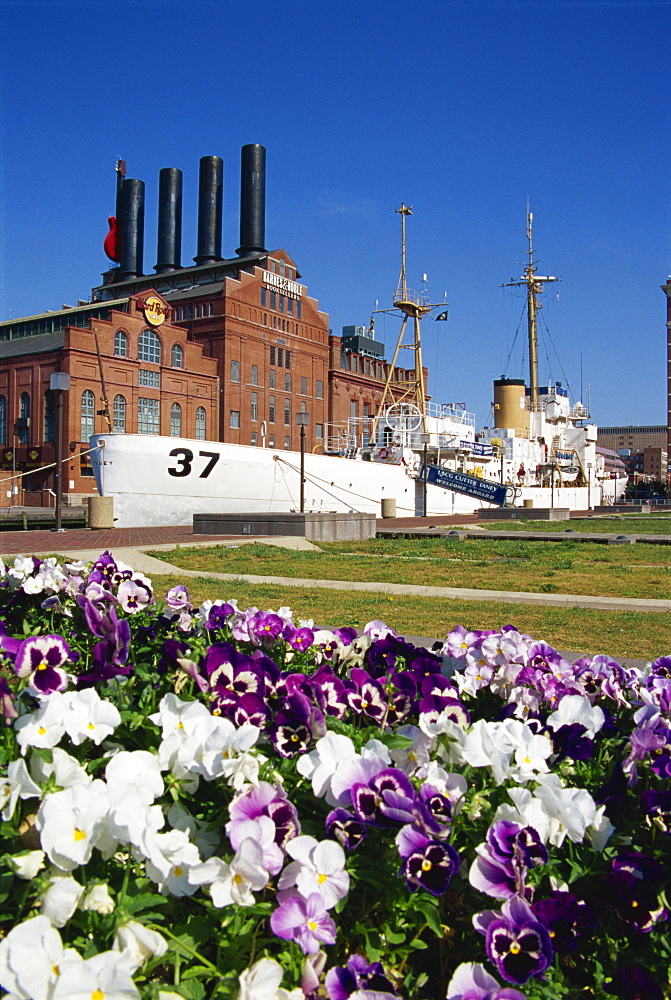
[
  {"x": 517, "y": 943},
  {"x": 429, "y": 864},
  {"x": 42, "y": 659}
]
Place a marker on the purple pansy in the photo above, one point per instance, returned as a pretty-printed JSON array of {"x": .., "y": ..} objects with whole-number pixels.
[
  {"x": 42, "y": 659},
  {"x": 471, "y": 981},
  {"x": 516, "y": 942},
  {"x": 343, "y": 980},
  {"x": 567, "y": 918},
  {"x": 426, "y": 863},
  {"x": 305, "y": 921}
]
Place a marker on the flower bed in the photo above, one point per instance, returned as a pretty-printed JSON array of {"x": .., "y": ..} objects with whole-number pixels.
[{"x": 210, "y": 803}]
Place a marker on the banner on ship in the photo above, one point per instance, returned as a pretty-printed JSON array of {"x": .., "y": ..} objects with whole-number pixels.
[{"x": 472, "y": 486}]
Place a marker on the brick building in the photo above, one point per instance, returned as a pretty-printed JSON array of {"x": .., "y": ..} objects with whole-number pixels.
[{"x": 224, "y": 348}]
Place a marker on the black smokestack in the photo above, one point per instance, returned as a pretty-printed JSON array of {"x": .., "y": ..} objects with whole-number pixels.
[
  {"x": 252, "y": 200},
  {"x": 210, "y": 202},
  {"x": 169, "y": 247},
  {"x": 132, "y": 229}
]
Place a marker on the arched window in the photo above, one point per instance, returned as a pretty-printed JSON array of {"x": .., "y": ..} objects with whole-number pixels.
[
  {"x": 24, "y": 414},
  {"x": 200, "y": 423},
  {"x": 175, "y": 420},
  {"x": 149, "y": 347},
  {"x": 49, "y": 416},
  {"x": 177, "y": 356},
  {"x": 119, "y": 421},
  {"x": 88, "y": 414},
  {"x": 3, "y": 420},
  {"x": 121, "y": 344}
]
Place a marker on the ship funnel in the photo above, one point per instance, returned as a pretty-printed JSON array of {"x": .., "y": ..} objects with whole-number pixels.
[
  {"x": 252, "y": 200},
  {"x": 169, "y": 246},
  {"x": 510, "y": 411},
  {"x": 132, "y": 229},
  {"x": 210, "y": 203}
]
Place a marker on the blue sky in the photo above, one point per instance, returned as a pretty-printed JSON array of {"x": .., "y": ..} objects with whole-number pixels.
[{"x": 462, "y": 110}]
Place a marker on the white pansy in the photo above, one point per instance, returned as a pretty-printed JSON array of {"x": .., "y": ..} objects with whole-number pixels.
[
  {"x": 17, "y": 785},
  {"x": 262, "y": 982},
  {"x": 318, "y": 866},
  {"x": 61, "y": 899},
  {"x": 170, "y": 857},
  {"x": 138, "y": 769},
  {"x": 106, "y": 975},
  {"x": 138, "y": 943},
  {"x": 199, "y": 832},
  {"x": 31, "y": 959},
  {"x": 320, "y": 764},
  {"x": 27, "y": 864},
  {"x": 44, "y": 728},
  {"x": 233, "y": 883},
  {"x": 98, "y": 899},
  {"x": 90, "y": 717},
  {"x": 62, "y": 769},
  {"x": 600, "y": 830},
  {"x": 570, "y": 810},
  {"x": 70, "y": 823},
  {"x": 410, "y": 758}
]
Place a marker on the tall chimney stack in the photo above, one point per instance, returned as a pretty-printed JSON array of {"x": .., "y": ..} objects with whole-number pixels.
[
  {"x": 132, "y": 229},
  {"x": 252, "y": 200},
  {"x": 210, "y": 203},
  {"x": 169, "y": 246}
]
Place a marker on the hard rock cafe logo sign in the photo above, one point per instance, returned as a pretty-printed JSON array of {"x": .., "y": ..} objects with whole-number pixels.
[{"x": 155, "y": 311}]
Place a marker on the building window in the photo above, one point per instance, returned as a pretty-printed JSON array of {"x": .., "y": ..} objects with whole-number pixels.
[
  {"x": 290, "y": 306},
  {"x": 271, "y": 378},
  {"x": 254, "y": 438},
  {"x": 298, "y": 308},
  {"x": 304, "y": 406},
  {"x": 287, "y": 443},
  {"x": 175, "y": 420},
  {"x": 287, "y": 413},
  {"x": 271, "y": 440},
  {"x": 254, "y": 406},
  {"x": 149, "y": 378},
  {"x": 149, "y": 347},
  {"x": 119, "y": 415},
  {"x": 366, "y": 409},
  {"x": 304, "y": 386},
  {"x": 273, "y": 300},
  {"x": 287, "y": 359},
  {"x": 234, "y": 419},
  {"x": 88, "y": 414},
  {"x": 271, "y": 409},
  {"x": 49, "y": 416},
  {"x": 200, "y": 423},
  {"x": 272, "y": 355},
  {"x": 263, "y": 296},
  {"x": 282, "y": 268},
  {"x": 281, "y": 298},
  {"x": 352, "y": 408},
  {"x": 148, "y": 416},
  {"x": 255, "y": 374},
  {"x": 235, "y": 371},
  {"x": 319, "y": 431},
  {"x": 120, "y": 344},
  {"x": 319, "y": 389},
  {"x": 177, "y": 356},
  {"x": 287, "y": 382},
  {"x": 24, "y": 414},
  {"x": 280, "y": 356},
  {"x": 3, "y": 420}
]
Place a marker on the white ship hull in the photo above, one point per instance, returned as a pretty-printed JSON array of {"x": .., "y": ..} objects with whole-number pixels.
[{"x": 158, "y": 481}]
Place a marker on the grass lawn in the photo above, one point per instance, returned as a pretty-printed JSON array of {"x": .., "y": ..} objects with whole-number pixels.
[
  {"x": 639, "y": 570},
  {"x": 619, "y": 524}
]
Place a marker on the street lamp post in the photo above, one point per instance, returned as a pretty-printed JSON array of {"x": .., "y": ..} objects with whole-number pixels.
[
  {"x": 302, "y": 419},
  {"x": 424, "y": 438},
  {"x": 59, "y": 383}
]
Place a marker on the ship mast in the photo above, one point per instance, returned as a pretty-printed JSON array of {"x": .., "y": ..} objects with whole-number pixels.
[
  {"x": 413, "y": 306},
  {"x": 534, "y": 285}
]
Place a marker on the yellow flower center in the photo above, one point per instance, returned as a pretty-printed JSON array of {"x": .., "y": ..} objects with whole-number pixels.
[
  {"x": 43, "y": 665},
  {"x": 312, "y": 925},
  {"x": 97, "y": 995},
  {"x": 515, "y": 948},
  {"x": 426, "y": 865},
  {"x": 321, "y": 878},
  {"x": 178, "y": 871},
  {"x": 79, "y": 834},
  {"x": 238, "y": 879},
  {"x": 41, "y": 730},
  {"x": 90, "y": 726}
]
